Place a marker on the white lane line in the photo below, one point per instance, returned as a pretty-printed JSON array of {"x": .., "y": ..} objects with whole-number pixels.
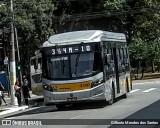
[
  {"x": 75, "y": 117},
  {"x": 134, "y": 90},
  {"x": 151, "y": 89}
]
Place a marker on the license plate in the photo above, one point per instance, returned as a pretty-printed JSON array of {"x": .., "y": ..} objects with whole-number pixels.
[{"x": 72, "y": 99}]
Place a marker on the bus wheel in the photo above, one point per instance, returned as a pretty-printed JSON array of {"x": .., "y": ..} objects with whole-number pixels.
[
  {"x": 112, "y": 100},
  {"x": 61, "y": 106}
]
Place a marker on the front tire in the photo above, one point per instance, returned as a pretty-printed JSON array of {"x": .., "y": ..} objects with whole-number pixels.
[{"x": 112, "y": 100}]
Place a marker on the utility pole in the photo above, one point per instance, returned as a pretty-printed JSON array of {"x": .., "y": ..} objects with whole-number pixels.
[
  {"x": 19, "y": 59},
  {"x": 19, "y": 62},
  {"x": 12, "y": 60}
]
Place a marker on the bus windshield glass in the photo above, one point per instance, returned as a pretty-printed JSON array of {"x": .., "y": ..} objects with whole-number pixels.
[{"x": 73, "y": 65}]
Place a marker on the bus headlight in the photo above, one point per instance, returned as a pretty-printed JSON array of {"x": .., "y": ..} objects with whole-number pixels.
[
  {"x": 97, "y": 82},
  {"x": 47, "y": 87}
]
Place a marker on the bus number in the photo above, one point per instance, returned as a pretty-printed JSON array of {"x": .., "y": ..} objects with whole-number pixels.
[{"x": 53, "y": 51}]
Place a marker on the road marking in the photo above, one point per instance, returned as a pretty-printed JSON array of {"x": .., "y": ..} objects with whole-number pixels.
[
  {"x": 151, "y": 89},
  {"x": 134, "y": 90},
  {"x": 75, "y": 117}
]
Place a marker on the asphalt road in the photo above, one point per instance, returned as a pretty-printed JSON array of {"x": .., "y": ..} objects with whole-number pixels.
[{"x": 143, "y": 102}]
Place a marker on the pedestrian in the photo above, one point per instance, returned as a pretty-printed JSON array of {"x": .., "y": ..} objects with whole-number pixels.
[
  {"x": 17, "y": 89},
  {"x": 2, "y": 95},
  {"x": 26, "y": 90},
  {"x": 143, "y": 65}
]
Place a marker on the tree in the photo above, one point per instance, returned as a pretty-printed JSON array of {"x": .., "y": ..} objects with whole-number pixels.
[
  {"x": 148, "y": 26},
  {"x": 36, "y": 20},
  {"x": 34, "y": 24}
]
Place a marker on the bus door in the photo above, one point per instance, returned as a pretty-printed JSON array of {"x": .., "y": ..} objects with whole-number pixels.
[{"x": 117, "y": 63}]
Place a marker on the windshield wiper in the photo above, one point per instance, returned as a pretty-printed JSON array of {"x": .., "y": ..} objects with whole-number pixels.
[{"x": 77, "y": 58}]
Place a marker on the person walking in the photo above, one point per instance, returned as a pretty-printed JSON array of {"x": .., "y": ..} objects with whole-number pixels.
[
  {"x": 17, "y": 89},
  {"x": 26, "y": 90},
  {"x": 2, "y": 95}
]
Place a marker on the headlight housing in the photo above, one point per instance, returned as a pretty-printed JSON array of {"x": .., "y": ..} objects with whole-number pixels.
[
  {"x": 47, "y": 87},
  {"x": 97, "y": 82}
]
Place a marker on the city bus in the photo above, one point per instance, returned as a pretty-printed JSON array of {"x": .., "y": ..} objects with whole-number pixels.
[
  {"x": 88, "y": 65},
  {"x": 36, "y": 73}
]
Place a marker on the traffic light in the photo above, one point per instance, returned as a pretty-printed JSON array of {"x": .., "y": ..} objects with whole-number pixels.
[{"x": 19, "y": 67}]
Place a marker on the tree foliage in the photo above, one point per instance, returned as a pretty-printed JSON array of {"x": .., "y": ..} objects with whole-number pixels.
[{"x": 36, "y": 20}]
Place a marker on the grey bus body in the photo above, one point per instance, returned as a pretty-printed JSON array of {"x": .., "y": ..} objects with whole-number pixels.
[{"x": 84, "y": 66}]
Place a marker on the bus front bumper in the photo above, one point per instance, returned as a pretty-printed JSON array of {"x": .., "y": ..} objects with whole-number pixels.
[{"x": 93, "y": 94}]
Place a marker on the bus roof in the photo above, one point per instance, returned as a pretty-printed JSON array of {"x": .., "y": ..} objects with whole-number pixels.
[{"x": 84, "y": 36}]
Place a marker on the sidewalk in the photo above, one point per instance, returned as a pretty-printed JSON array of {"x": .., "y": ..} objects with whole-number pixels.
[
  {"x": 7, "y": 109},
  {"x": 146, "y": 76}
]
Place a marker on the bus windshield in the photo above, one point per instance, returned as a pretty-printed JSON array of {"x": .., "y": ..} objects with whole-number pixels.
[{"x": 69, "y": 66}]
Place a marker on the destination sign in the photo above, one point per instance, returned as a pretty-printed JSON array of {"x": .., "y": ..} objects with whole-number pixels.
[
  {"x": 67, "y": 49},
  {"x": 74, "y": 49}
]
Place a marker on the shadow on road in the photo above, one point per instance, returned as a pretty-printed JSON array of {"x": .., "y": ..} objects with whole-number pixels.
[
  {"x": 52, "y": 108},
  {"x": 150, "y": 113}
]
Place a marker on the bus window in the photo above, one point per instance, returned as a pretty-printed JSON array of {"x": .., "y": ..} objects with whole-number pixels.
[
  {"x": 119, "y": 51},
  {"x": 122, "y": 59},
  {"x": 123, "y": 54},
  {"x": 111, "y": 54},
  {"x": 119, "y": 60},
  {"x": 126, "y": 59}
]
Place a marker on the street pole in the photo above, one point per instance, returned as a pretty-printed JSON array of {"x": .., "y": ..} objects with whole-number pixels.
[
  {"x": 19, "y": 61},
  {"x": 12, "y": 60}
]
